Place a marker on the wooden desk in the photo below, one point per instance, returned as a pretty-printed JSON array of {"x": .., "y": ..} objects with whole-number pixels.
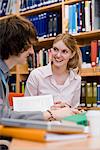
[{"x": 82, "y": 144}]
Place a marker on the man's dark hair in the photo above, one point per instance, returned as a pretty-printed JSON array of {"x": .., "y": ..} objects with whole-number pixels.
[{"x": 16, "y": 35}]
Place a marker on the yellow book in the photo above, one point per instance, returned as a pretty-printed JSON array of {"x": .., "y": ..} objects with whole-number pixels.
[
  {"x": 38, "y": 135},
  {"x": 23, "y": 133}
]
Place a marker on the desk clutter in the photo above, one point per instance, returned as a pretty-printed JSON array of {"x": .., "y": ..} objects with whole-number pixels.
[
  {"x": 41, "y": 131},
  {"x": 71, "y": 127}
]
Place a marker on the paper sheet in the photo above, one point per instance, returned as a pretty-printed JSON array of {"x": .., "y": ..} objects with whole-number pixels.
[{"x": 32, "y": 103}]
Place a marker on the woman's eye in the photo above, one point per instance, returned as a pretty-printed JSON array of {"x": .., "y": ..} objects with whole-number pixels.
[
  {"x": 64, "y": 51},
  {"x": 55, "y": 49}
]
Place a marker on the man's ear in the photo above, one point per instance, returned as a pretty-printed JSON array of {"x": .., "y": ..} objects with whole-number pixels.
[{"x": 72, "y": 55}]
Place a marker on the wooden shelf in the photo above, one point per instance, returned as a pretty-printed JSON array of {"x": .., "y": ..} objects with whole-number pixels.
[
  {"x": 23, "y": 69},
  {"x": 52, "y": 7},
  {"x": 88, "y": 108},
  {"x": 67, "y": 2},
  {"x": 43, "y": 42},
  {"x": 20, "y": 69},
  {"x": 13, "y": 70},
  {"x": 95, "y": 34},
  {"x": 95, "y": 71},
  {"x": 82, "y": 38}
]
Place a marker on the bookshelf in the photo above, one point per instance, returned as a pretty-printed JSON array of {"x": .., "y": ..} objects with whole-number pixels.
[{"x": 83, "y": 38}]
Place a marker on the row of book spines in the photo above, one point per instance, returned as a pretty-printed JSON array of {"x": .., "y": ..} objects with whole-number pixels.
[
  {"x": 47, "y": 24},
  {"x": 76, "y": 16},
  {"x": 91, "y": 54},
  {"x": 12, "y": 86},
  {"x": 41, "y": 58},
  {"x": 90, "y": 94},
  {"x": 80, "y": 17},
  {"x": 11, "y": 6},
  {"x": 33, "y": 4}
]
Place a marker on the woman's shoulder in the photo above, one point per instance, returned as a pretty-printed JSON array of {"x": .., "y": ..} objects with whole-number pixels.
[
  {"x": 75, "y": 74},
  {"x": 41, "y": 71}
]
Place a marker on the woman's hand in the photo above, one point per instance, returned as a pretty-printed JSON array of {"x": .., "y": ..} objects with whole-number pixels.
[
  {"x": 60, "y": 113},
  {"x": 58, "y": 105}
]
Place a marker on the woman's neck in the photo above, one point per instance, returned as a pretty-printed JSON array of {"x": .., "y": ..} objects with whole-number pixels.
[{"x": 59, "y": 71}]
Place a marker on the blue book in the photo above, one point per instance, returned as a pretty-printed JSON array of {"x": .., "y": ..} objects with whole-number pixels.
[
  {"x": 40, "y": 24},
  {"x": 45, "y": 24},
  {"x": 73, "y": 18},
  {"x": 78, "y": 16},
  {"x": 70, "y": 19},
  {"x": 29, "y": 4},
  {"x": 98, "y": 92},
  {"x": 86, "y": 56},
  {"x": 83, "y": 16},
  {"x": 34, "y": 5}
]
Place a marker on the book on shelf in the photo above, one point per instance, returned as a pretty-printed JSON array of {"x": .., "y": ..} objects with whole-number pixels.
[
  {"x": 66, "y": 18},
  {"x": 89, "y": 94},
  {"x": 86, "y": 56},
  {"x": 98, "y": 55},
  {"x": 94, "y": 50},
  {"x": 83, "y": 94},
  {"x": 94, "y": 90},
  {"x": 98, "y": 95},
  {"x": 87, "y": 15},
  {"x": 95, "y": 14},
  {"x": 47, "y": 23},
  {"x": 3, "y": 4}
]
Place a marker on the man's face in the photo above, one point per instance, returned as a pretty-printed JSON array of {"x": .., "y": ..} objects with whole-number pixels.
[{"x": 22, "y": 59}]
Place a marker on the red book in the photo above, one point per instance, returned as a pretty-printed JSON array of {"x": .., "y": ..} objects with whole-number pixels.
[{"x": 94, "y": 48}]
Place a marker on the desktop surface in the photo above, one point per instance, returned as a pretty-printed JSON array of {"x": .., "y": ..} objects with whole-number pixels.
[{"x": 80, "y": 144}]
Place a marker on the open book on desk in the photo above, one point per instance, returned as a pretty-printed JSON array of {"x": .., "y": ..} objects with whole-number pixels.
[{"x": 32, "y": 103}]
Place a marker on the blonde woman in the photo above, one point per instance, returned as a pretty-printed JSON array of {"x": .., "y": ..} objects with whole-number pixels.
[{"x": 60, "y": 77}]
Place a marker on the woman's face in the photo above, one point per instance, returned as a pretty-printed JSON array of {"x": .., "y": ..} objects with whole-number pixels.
[{"x": 60, "y": 54}]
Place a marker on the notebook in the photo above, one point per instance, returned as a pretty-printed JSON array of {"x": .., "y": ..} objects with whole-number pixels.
[
  {"x": 57, "y": 127},
  {"x": 78, "y": 118}
]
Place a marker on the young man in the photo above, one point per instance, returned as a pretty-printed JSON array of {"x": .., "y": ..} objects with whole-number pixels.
[{"x": 17, "y": 38}]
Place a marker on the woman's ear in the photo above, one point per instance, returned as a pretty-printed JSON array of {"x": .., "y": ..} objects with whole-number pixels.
[{"x": 72, "y": 55}]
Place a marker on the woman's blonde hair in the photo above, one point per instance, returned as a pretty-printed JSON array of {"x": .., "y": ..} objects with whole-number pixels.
[{"x": 71, "y": 43}]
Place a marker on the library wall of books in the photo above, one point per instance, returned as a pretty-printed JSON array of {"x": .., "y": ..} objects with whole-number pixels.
[{"x": 81, "y": 18}]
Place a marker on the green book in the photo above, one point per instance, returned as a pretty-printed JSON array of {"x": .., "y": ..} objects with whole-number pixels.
[{"x": 78, "y": 118}]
